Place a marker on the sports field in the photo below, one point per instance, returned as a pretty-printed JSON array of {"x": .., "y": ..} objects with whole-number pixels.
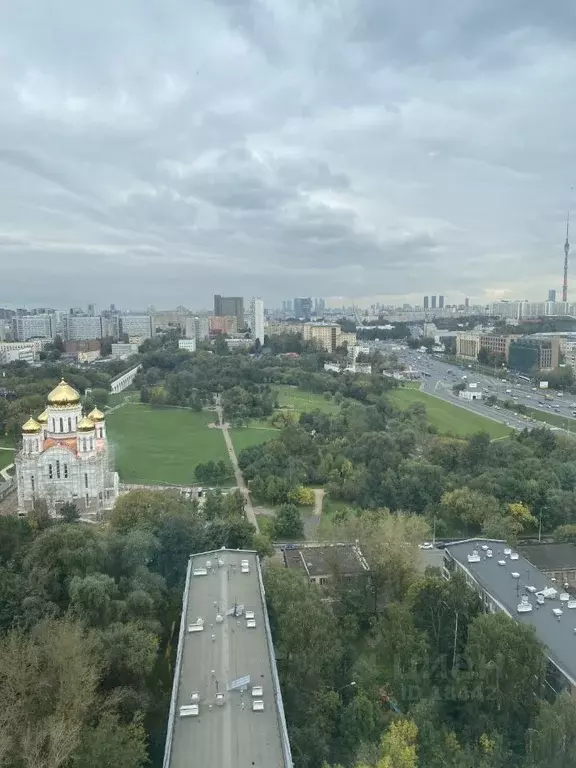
[
  {"x": 298, "y": 400},
  {"x": 447, "y": 417},
  {"x": 163, "y": 445}
]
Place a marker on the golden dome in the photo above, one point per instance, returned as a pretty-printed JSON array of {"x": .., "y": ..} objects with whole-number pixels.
[
  {"x": 63, "y": 395},
  {"x": 85, "y": 425},
  {"x": 43, "y": 418},
  {"x": 96, "y": 415},
  {"x": 31, "y": 427}
]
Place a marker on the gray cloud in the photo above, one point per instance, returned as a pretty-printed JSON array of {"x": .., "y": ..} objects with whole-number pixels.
[{"x": 360, "y": 149}]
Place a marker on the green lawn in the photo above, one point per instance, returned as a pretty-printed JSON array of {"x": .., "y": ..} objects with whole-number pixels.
[
  {"x": 6, "y": 442},
  {"x": 298, "y": 400},
  {"x": 127, "y": 394},
  {"x": 447, "y": 417},
  {"x": 162, "y": 445},
  {"x": 6, "y": 458},
  {"x": 244, "y": 437}
]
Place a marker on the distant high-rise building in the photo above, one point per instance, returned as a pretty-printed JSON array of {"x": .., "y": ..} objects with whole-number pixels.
[
  {"x": 467, "y": 303},
  {"x": 433, "y": 302},
  {"x": 257, "y": 319},
  {"x": 319, "y": 306},
  {"x": 552, "y": 294},
  {"x": 426, "y": 304},
  {"x": 303, "y": 308},
  {"x": 230, "y": 306},
  {"x": 91, "y": 310},
  {"x": 33, "y": 327},
  {"x": 440, "y": 302},
  {"x": 141, "y": 326}
]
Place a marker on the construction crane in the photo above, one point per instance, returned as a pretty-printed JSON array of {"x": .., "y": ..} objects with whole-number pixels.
[{"x": 566, "y": 252}]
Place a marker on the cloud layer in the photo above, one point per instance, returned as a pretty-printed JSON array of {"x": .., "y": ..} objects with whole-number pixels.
[{"x": 158, "y": 152}]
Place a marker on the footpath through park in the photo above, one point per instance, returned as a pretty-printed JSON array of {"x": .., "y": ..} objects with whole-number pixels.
[{"x": 250, "y": 514}]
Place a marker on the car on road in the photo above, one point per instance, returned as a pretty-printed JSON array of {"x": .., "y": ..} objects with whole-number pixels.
[{"x": 426, "y": 545}]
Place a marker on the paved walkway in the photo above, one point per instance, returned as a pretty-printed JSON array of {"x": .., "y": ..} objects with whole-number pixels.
[{"x": 250, "y": 514}]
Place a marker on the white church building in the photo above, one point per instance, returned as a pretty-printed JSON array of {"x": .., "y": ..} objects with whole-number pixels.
[{"x": 65, "y": 457}]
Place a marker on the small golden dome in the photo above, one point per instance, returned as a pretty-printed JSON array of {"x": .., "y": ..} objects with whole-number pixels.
[
  {"x": 31, "y": 427},
  {"x": 43, "y": 418},
  {"x": 96, "y": 415},
  {"x": 85, "y": 425},
  {"x": 63, "y": 395}
]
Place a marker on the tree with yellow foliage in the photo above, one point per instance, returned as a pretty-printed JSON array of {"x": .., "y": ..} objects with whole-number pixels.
[{"x": 398, "y": 748}]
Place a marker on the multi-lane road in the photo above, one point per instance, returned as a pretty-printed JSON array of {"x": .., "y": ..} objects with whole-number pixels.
[{"x": 439, "y": 378}]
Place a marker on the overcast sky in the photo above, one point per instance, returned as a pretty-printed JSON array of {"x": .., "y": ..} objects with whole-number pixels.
[{"x": 159, "y": 151}]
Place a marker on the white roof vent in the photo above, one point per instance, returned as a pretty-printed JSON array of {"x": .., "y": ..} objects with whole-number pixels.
[
  {"x": 540, "y": 599},
  {"x": 219, "y": 618},
  {"x": 208, "y": 564},
  {"x": 257, "y": 691},
  {"x": 557, "y": 611},
  {"x": 501, "y": 562},
  {"x": 199, "y": 572},
  {"x": 531, "y": 589},
  {"x": 515, "y": 575},
  {"x": 507, "y": 552},
  {"x": 249, "y": 614},
  {"x": 258, "y": 705},
  {"x": 564, "y": 597},
  {"x": 571, "y": 603},
  {"x": 514, "y": 556},
  {"x": 489, "y": 553},
  {"x": 196, "y": 626},
  {"x": 474, "y": 557},
  {"x": 484, "y": 547},
  {"x": 219, "y": 699},
  {"x": 525, "y": 605},
  {"x": 195, "y": 697},
  {"x": 251, "y": 623},
  {"x": 189, "y": 710}
]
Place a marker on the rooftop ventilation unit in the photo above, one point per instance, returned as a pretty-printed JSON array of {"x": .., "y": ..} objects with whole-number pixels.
[
  {"x": 489, "y": 553},
  {"x": 250, "y": 623},
  {"x": 525, "y": 605},
  {"x": 220, "y": 699},
  {"x": 200, "y": 572},
  {"x": 571, "y": 603},
  {"x": 189, "y": 710},
  {"x": 195, "y": 697},
  {"x": 474, "y": 557},
  {"x": 515, "y": 575},
  {"x": 514, "y": 556},
  {"x": 564, "y": 597},
  {"x": 531, "y": 589},
  {"x": 540, "y": 599},
  {"x": 507, "y": 552},
  {"x": 197, "y": 626},
  {"x": 548, "y": 592},
  {"x": 557, "y": 611},
  {"x": 219, "y": 618},
  {"x": 245, "y": 566},
  {"x": 485, "y": 547},
  {"x": 258, "y": 705},
  {"x": 257, "y": 691},
  {"x": 249, "y": 614},
  {"x": 501, "y": 562}
]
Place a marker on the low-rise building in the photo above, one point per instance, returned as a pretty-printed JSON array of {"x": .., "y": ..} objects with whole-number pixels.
[
  {"x": 507, "y": 582},
  {"x": 187, "y": 344},
  {"x": 13, "y": 351},
  {"x": 120, "y": 350},
  {"x": 468, "y": 344},
  {"x": 320, "y": 563},
  {"x": 239, "y": 342},
  {"x": 223, "y": 324},
  {"x": 471, "y": 392},
  {"x": 328, "y": 335},
  {"x": 557, "y": 561},
  {"x": 530, "y": 355},
  {"x": 497, "y": 344}
]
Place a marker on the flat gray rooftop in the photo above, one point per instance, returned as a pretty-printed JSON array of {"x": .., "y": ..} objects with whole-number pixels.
[
  {"x": 231, "y": 735},
  {"x": 557, "y": 634},
  {"x": 324, "y": 559}
]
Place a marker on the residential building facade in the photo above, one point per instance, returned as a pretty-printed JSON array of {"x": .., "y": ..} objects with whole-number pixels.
[
  {"x": 230, "y": 306},
  {"x": 143, "y": 326},
  {"x": 41, "y": 326},
  {"x": 530, "y": 355},
  {"x": 257, "y": 320}
]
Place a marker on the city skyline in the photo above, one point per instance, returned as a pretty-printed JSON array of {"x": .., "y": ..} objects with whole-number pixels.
[{"x": 212, "y": 150}]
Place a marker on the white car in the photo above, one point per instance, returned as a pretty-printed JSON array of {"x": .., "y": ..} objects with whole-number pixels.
[{"x": 426, "y": 545}]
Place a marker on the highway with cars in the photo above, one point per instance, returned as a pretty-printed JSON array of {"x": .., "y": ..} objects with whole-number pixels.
[{"x": 439, "y": 378}]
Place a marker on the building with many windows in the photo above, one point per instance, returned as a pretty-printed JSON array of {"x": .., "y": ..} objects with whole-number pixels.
[
  {"x": 529, "y": 355},
  {"x": 230, "y": 306},
  {"x": 65, "y": 457},
  {"x": 41, "y": 326},
  {"x": 257, "y": 320},
  {"x": 82, "y": 327},
  {"x": 303, "y": 308},
  {"x": 141, "y": 326}
]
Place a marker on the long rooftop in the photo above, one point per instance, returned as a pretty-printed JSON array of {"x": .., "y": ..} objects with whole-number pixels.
[
  {"x": 556, "y": 632},
  {"x": 225, "y": 675}
]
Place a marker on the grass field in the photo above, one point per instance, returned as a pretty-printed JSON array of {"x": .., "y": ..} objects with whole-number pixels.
[
  {"x": 162, "y": 445},
  {"x": 244, "y": 437},
  {"x": 6, "y": 442},
  {"x": 447, "y": 417},
  {"x": 128, "y": 394},
  {"x": 300, "y": 401},
  {"x": 6, "y": 458}
]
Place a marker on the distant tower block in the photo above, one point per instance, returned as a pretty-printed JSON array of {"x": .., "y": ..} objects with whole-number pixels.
[{"x": 566, "y": 252}]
